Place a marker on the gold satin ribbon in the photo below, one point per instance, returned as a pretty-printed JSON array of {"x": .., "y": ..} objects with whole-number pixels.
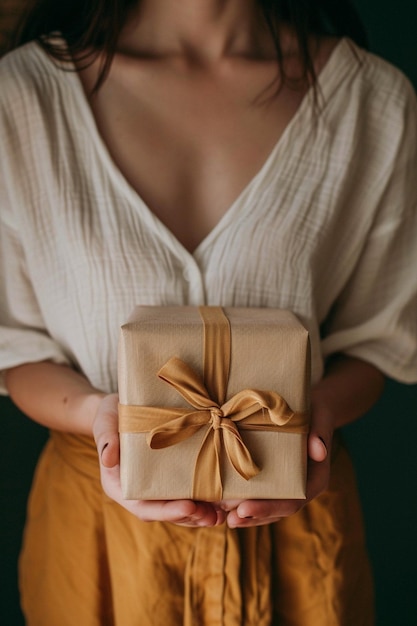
[{"x": 251, "y": 409}]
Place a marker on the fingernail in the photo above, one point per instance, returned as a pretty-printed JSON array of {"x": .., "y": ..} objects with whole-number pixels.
[
  {"x": 243, "y": 516},
  {"x": 323, "y": 442},
  {"x": 103, "y": 448}
]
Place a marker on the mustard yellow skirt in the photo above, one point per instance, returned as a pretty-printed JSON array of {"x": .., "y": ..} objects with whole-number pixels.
[{"x": 87, "y": 562}]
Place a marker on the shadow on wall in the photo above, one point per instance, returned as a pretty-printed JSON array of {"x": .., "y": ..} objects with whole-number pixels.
[
  {"x": 383, "y": 448},
  {"x": 22, "y": 441}
]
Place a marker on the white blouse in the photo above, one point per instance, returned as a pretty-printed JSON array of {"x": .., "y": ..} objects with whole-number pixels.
[{"x": 327, "y": 228}]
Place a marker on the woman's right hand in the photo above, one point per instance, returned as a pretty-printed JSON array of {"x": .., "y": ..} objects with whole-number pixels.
[{"x": 182, "y": 512}]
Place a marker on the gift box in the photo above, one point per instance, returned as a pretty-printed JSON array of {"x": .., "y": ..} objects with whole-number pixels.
[{"x": 213, "y": 403}]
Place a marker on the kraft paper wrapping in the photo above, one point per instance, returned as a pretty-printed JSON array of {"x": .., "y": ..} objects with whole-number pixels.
[{"x": 269, "y": 355}]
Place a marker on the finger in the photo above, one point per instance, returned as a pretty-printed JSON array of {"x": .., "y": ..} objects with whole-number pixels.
[
  {"x": 105, "y": 431},
  {"x": 317, "y": 448},
  {"x": 267, "y": 508},
  {"x": 319, "y": 453},
  {"x": 184, "y": 512},
  {"x": 110, "y": 450},
  {"x": 250, "y": 523},
  {"x": 221, "y": 517},
  {"x": 317, "y": 478},
  {"x": 321, "y": 433},
  {"x": 260, "y": 512},
  {"x": 234, "y": 521},
  {"x": 228, "y": 505},
  {"x": 206, "y": 514},
  {"x": 164, "y": 510}
]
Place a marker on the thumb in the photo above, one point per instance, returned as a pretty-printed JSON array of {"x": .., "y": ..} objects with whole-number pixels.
[
  {"x": 105, "y": 431},
  {"x": 317, "y": 448},
  {"x": 321, "y": 433}
]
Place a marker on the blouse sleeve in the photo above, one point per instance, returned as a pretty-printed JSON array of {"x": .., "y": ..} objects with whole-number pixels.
[
  {"x": 23, "y": 337},
  {"x": 23, "y": 334},
  {"x": 375, "y": 316}
]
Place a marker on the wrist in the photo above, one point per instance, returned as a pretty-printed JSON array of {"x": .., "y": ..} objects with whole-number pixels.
[{"x": 82, "y": 409}]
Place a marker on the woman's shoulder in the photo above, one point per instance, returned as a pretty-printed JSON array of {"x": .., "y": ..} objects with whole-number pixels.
[
  {"x": 367, "y": 99},
  {"x": 21, "y": 81},
  {"x": 27, "y": 71},
  {"x": 20, "y": 65},
  {"x": 36, "y": 103},
  {"x": 377, "y": 76}
]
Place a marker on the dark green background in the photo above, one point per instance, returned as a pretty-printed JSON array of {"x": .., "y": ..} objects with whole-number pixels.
[{"x": 382, "y": 444}]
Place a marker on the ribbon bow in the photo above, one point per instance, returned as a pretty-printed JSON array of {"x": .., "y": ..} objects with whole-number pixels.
[{"x": 247, "y": 408}]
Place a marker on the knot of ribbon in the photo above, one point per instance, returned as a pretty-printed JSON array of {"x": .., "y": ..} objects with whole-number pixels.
[
  {"x": 216, "y": 418},
  {"x": 248, "y": 409}
]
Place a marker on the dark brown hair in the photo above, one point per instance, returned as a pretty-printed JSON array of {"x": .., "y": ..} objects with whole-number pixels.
[{"x": 94, "y": 25}]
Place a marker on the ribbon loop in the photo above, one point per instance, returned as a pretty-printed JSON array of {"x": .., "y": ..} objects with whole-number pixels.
[
  {"x": 187, "y": 382},
  {"x": 176, "y": 430}
]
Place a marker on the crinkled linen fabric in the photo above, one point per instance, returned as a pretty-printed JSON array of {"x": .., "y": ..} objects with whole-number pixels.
[{"x": 327, "y": 228}]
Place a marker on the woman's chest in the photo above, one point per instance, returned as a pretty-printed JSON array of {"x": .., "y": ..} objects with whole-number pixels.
[{"x": 190, "y": 148}]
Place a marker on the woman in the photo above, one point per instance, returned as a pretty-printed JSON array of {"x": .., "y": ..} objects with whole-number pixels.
[{"x": 219, "y": 152}]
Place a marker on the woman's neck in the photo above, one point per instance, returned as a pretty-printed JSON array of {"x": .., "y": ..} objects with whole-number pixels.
[{"x": 202, "y": 31}]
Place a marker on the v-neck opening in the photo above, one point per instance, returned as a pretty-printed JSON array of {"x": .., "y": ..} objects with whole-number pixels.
[{"x": 135, "y": 197}]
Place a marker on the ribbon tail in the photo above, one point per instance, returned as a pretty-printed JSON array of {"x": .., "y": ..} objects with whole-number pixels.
[
  {"x": 207, "y": 482},
  {"x": 237, "y": 452}
]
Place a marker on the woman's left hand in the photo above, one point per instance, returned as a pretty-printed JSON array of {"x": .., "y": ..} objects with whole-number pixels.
[
  {"x": 347, "y": 391},
  {"x": 247, "y": 513}
]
